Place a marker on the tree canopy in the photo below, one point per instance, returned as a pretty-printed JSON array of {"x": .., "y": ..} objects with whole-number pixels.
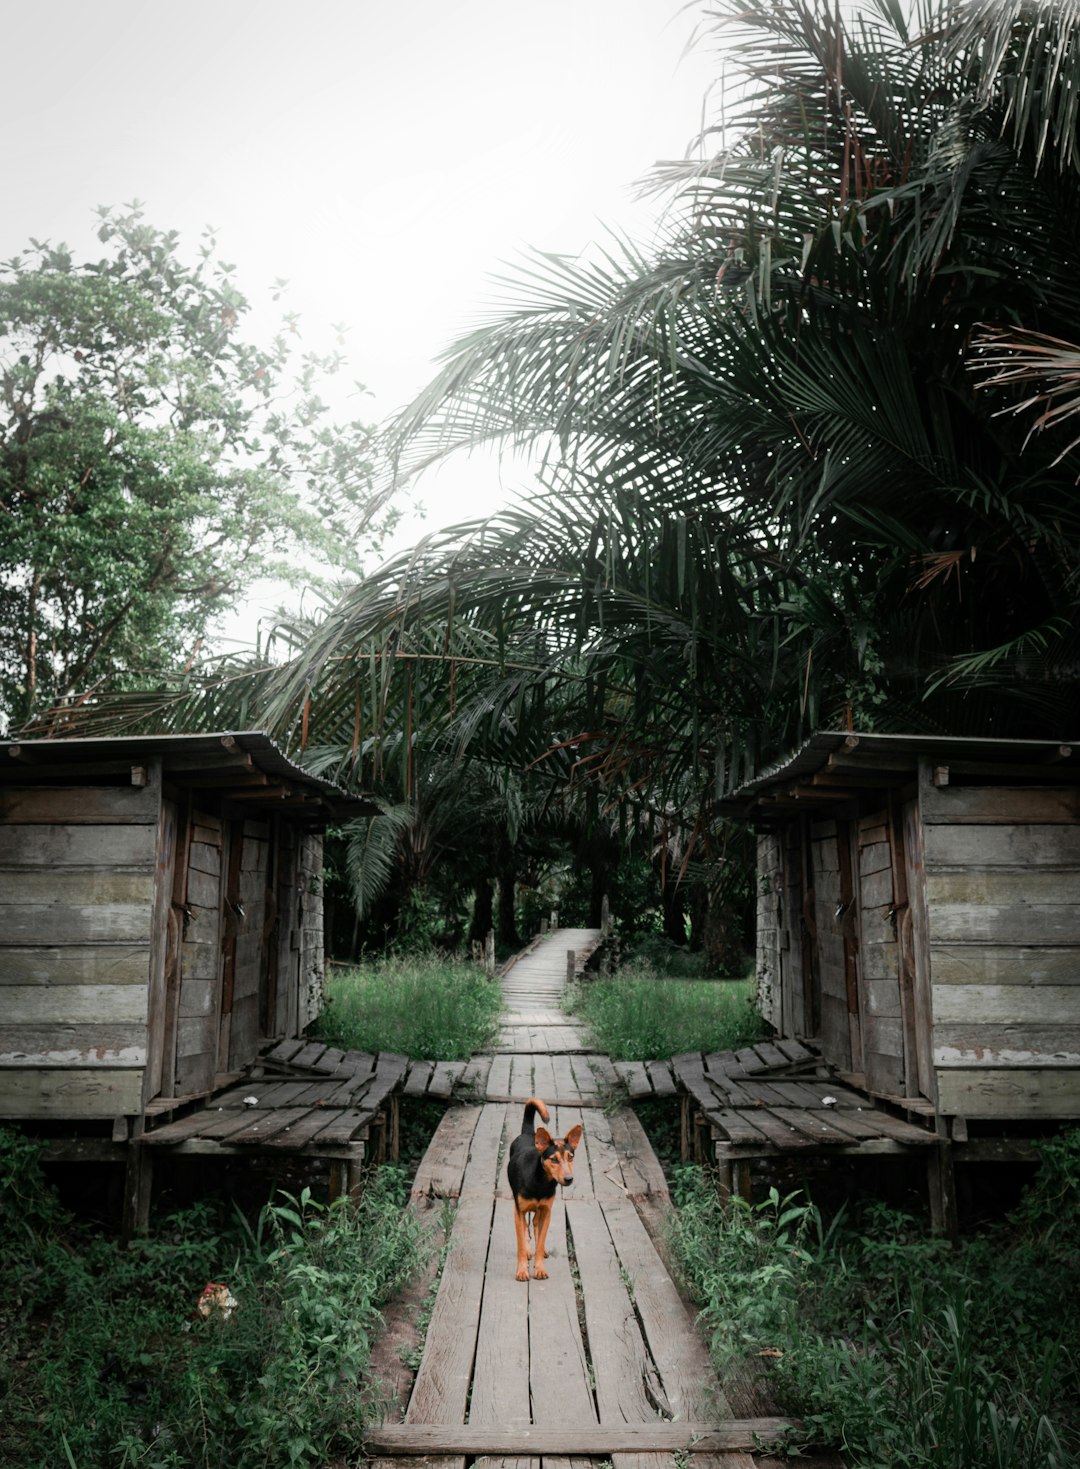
[
  {"x": 801, "y": 456},
  {"x": 153, "y": 464}
]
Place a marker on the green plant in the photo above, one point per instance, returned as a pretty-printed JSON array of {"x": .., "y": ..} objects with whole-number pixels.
[
  {"x": 417, "y": 1006},
  {"x": 902, "y": 1352},
  {"x": 639, "y": 1015}
]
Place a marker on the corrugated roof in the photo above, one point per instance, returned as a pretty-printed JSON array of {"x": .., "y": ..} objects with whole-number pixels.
[
  {"x": 262, "y": 750},
  {"x": 814, "y": 755}
]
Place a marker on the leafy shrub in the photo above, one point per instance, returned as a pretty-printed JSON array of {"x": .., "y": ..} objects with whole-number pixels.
[
  {"x": 904, "y": 1353},
  {"x": 105, "y": 1360}
]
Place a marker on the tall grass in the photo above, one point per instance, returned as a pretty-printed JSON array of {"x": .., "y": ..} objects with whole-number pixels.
[
  {"x": 640, "y": 1015},
  {"x": 106, "y": 1359},
  {"x": 889, "y": 1345},
  {"x": 438, "y": 1010}
]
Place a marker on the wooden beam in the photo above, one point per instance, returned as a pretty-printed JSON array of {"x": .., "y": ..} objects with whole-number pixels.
[{"x": 595, "y": 1440}]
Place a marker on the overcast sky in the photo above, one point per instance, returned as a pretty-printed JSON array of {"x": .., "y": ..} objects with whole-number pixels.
[{"x": 385, "y": 156}]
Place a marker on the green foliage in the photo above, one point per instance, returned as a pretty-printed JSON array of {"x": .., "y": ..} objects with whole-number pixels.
[
  {"x": 888, "y": 1344},
  {"x": 419, "y": 1007},
  {"x": 106, "y": 1360},
  {"x": 639, "y": 1015},
  {"x": 152, "y": 463}
]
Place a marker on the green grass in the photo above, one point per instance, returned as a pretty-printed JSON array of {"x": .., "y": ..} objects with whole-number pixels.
[
  {"x": 106, "y": 1361},
  {"x": 889, "y": 1345},
  {"x": 639, "y": 1015},
  {"x": 423, "y": 1008}
]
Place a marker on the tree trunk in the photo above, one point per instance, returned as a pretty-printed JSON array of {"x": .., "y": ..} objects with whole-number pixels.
[
  {"x": 507, "y": 928},
  {"x": 483, "y": 910}
]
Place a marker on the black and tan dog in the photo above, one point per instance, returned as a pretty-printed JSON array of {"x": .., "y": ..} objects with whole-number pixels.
[{"x": 538, "y": 1164}]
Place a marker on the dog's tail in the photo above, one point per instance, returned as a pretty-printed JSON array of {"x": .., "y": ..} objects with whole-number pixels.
[{"x": 532, "y": 1106}]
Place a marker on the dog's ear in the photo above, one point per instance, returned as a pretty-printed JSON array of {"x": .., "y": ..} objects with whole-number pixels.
[
  {"x": 573, "y": 1137},
  {"x": 542, "y": 1139}
]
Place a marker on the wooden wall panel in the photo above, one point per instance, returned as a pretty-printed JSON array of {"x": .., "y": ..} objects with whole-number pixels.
[
  {"x": 1003, "y": 894},
  {"x": 75, "y": 964},
  {"x": 1008, "y": 1093},
  {"x": 83, "y": 1092},
  {"x": 79, "y": 805},
  {"x": 770, "y": 998},
  {"x": 77, "y": 846}
]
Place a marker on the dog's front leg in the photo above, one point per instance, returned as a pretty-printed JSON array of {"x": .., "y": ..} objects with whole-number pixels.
[
  {"x": 524, "y": 1249},
  {"x": 541, "y": 1220}
]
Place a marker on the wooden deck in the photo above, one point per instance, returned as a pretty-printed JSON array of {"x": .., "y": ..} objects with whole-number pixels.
[{"x": 599, "y": 1362}]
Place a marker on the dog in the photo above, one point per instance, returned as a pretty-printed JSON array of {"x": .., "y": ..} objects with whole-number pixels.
[{"x": 537, "y": 1166}]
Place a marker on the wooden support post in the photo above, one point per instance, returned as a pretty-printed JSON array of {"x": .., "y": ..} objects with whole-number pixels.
[
  {"x": 571, "y": 965},
  {"x": 395, "y": 1127},
  {"x": 685, "y": 1127},
  {"x": 138, "y": 1184},
  {"x": 744, "y": 1186},
  {"x": 724, "y": 1180},
  {"x": 489, "y": 951},
  {"x": 941, "y": 1184}
]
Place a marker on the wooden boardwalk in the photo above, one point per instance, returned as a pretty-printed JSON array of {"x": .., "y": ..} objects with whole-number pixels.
[{"x": 599, "y": 1362}]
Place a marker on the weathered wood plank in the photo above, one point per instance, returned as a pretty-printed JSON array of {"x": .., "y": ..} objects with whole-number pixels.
[
  {"x": 985, "y": 805},
  {"x": 1005, "y": 1045},
  {"x": 1017, "y": 923},
  {"x": 620, "y": 1360},
  {"x": 635, "y": 1078},
  {"x": 31, "y": 886},
  {"x": 62, "y": 923},
  {"x": 1007, "y": 1004},
  {"x": 558, "y": 1363},
  {"x": 74, "y": 1004},
  {"x": 1002, "y": 846},
  {"x": 76, "y": 964},
  {"x": 680, "y": 1356},
  {"x": 54, "y": 1043},
  {"x": 77, "y": 846},
  {"x": 1002, "y": 888},
  {"x": 79, "y": 805},
  {"x": 997, "y": 964},
  {"x": 70, "y": 1091},
  {"x": 601, "y": 1441},
  {"x": 500, "y": 1387},
  {"x": 1009, "y": 1093},
  {"x": 440, "y": 1393},
  {"x": 442, "y": 1167}
]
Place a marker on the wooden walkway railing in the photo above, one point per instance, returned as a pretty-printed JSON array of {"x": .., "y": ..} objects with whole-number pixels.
[{"x": 599, "y": 1362}]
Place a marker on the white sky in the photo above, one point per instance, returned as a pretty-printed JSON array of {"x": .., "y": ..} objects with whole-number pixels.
[{"x": 384, "y": 156}]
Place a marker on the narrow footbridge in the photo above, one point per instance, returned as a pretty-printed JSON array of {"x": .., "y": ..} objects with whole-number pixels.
[{"x": 600, "y": 1362}]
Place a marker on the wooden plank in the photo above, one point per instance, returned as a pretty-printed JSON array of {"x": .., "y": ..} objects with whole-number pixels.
[
  {"x": 61, "y": 923},
  {"x": 79, "y": 1092},
  {"x": 1007, "y": 1004},
  {"x": 53, "y": 1043},
  {"x": 680, "y": 1356},
  {"x": 1015, "y": 923},
  {"x": 600, "y": 1441},
  {"x": 663, "y": 1083},
  {"x": 1002, "y": 846},
  {"x": 80, "y": 805},
  {"x": 635, "y": 1078},
  {"x": 558, "y": 1363},
  {"x": 500, "y": 1388},
  {"x": 1023, "y": 1044},
  {"x": 74, "y": 1004},
  {"x": 344, "y": 1127},
  {"x": 444, "y": 1078},
  {"x": 77, "y": 846},
  {"x": 641, "y": 1170},
  {"x": 443, "y": 1165},
  {"x": 628, "y": 1386},
  {"x": 77, "y": 964},
  {"x": 98, "y": 885},
  {"x": 1012, "y": 1093},
  {"x": 1001, "y": 964},
  {"x": 1000, "y": 887},
  {"x": 416, "y": 1083},
  {"x": 985, "y": 805},
  {"x": 441, "y": 1390}
]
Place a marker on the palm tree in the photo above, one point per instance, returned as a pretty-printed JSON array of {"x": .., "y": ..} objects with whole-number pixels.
[{"x": 775, "y": 490}]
